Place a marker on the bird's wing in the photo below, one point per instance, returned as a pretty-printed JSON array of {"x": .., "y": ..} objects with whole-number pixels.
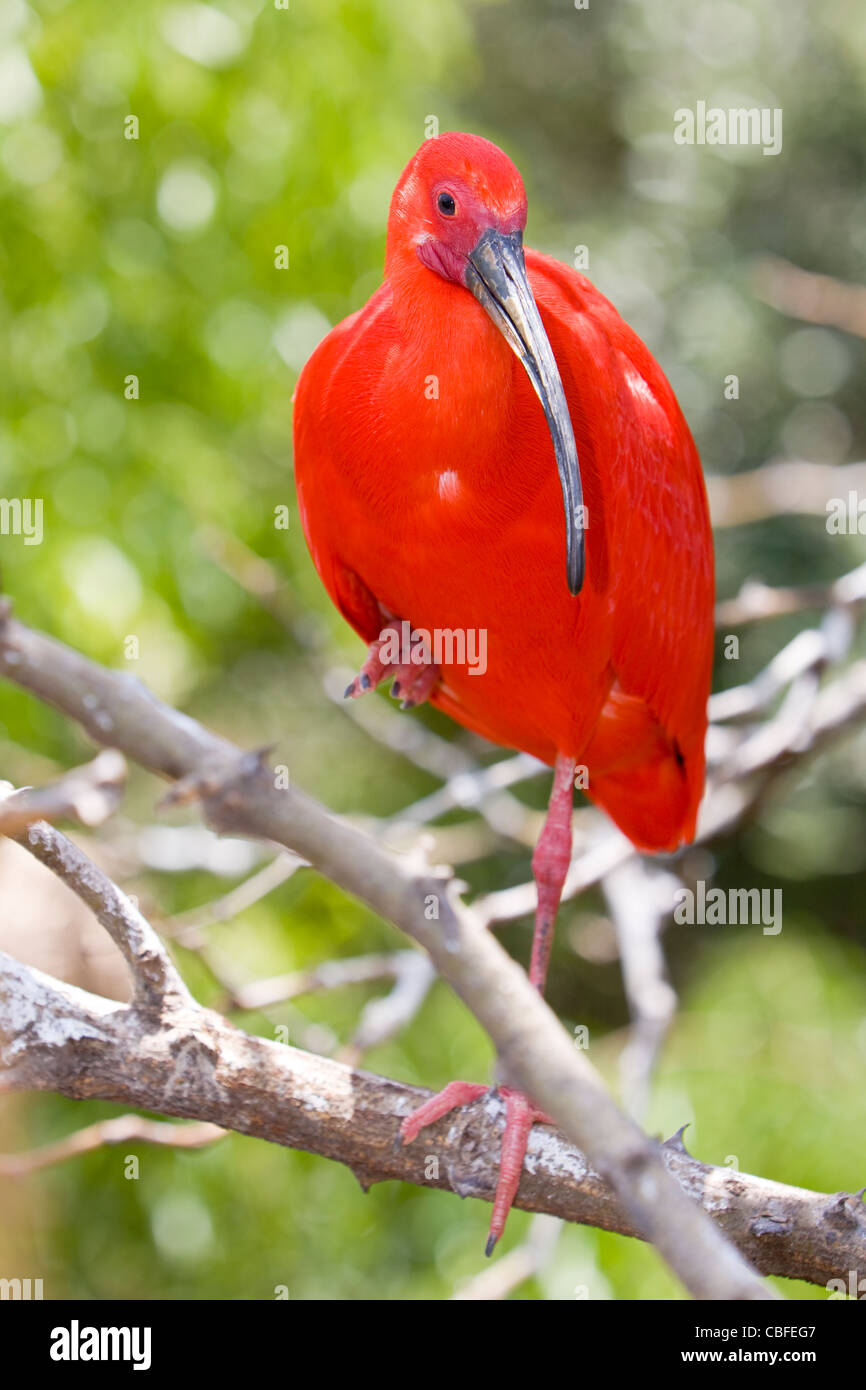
[
  {"x": 654, "y": 507},
  {"x": 317, "y": 452}
]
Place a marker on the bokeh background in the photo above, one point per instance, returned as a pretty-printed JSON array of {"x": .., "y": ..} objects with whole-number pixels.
[{"x": 261, "y": 127}]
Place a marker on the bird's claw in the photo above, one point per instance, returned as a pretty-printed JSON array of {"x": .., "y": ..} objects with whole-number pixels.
[
  {"x": 414, "y": 681},
  {"x": 520, "y": 1115}
]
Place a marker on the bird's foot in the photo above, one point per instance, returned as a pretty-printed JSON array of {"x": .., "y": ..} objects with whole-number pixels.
[
  {"x": 521, "y": 1114},
  {"x": 415, "y": 675}
]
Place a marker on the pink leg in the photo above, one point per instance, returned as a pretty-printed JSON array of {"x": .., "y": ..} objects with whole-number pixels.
[{"x": 550, "y": 867}]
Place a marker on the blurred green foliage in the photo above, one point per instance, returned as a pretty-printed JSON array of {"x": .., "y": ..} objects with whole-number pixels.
[{"x": 158, "y": 257}]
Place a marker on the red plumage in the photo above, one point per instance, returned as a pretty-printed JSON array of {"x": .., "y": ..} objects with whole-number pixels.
[{"x": 428, "y": 490}]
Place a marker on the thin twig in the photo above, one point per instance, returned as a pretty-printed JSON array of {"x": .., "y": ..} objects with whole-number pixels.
[
  {"x": 189, "y": 925},
  {"x": 88, "y": 794},
  {"x": 154, "y": 977},
  {"x": 757, "y": 601},
  {"x": 124, "y": 1129},
  {"x": 640, "y": 897},
  {"x": 522, "y": 1263},
  {"x": 384, "y": 1018},
  {"x": 803, "y": 294},
  {"x": 774, "y": 489}
]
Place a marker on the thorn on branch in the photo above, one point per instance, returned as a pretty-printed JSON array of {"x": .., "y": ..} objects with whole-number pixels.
[
  {"x": 676, "y": 1141},
  {"x": 847, "y": 1209}
]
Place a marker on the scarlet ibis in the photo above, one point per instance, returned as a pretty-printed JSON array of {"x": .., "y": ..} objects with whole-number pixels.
[{"x": 439, "y": 432}]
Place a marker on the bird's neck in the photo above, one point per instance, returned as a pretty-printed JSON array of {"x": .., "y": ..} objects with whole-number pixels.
[{"x": 449, "y": 343}]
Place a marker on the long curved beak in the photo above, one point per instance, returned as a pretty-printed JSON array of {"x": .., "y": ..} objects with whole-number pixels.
[{"x": 496, "y": 275}]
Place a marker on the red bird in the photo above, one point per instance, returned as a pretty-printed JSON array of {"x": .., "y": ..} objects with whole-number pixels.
[{"x": 438, "y": 433}]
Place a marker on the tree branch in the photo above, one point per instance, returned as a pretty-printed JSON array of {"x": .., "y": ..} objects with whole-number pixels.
[
  {"x": 153, "y": 975},
  {"x": 813, "y": 298},
  {"x": 197, "y": 1065},
  {"x": 797, "y": 488},
  {"x": 239, "y": 794}
]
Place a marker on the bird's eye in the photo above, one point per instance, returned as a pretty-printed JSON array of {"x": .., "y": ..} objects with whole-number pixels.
[{"x": 446, "y": 204}]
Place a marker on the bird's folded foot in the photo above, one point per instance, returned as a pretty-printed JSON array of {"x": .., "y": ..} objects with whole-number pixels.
[
  {"x": 520, "y": 1115},
  {"x": 414, "y": 684},
  {"x": 375, "y": 668},
  {"x": 415, "y": 674}
]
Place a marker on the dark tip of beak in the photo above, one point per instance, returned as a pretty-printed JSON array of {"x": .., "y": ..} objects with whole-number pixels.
[{"x": 496, "y": 275}]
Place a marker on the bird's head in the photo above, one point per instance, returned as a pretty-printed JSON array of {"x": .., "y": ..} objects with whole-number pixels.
[
  {"x": 454, "y": 189},
  {"x": 459, "y": 209}
]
